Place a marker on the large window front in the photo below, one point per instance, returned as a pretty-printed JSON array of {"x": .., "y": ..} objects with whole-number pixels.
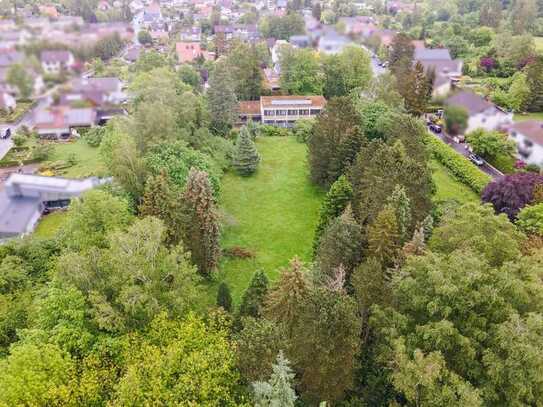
[
  {"x": 269, "y": 112},
  {"x": 304, "y": 112},
  {"x": 315, "y": 111},
  {"x": 281, "y": 112},
  {"x": 292, "y": 112}
]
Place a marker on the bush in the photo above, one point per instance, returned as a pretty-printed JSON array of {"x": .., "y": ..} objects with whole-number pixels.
[
  {"x": 19, "y": 140},
  {"x": 94, "y": 136},
  {"x": 533, "y": 168},
  {"x": 271, "y": 131},
  {"x": 461, "y": 168},
  {"x": 302, "y": 129},
  {"x": 530, "y": 219},
  {"x": 42, "y": 152}
]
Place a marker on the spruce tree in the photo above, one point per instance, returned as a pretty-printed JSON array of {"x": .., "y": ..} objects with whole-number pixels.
[
  {"x": 287, "y": 296},
  {"x": 334, "y": 204},
  {"x": 224, "y": 298},
  {"x": 202, "y": 224},
  {"x": 246, "y": 158},
  {"x": 223, "y": 104},
  {"x": 162, "y": 200},
  {"x": 383, "y": 238},
  {"x": 534, "y": 76},
  {"x": 253, "y": 297},
  {"x": 399, "y": 202},
  {"x": 341, "y": 245},
  {"x": 278, "y": 391}
]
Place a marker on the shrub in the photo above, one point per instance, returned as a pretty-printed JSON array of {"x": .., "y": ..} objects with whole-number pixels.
[
  {"x": 461, "y": 168},
  {"x": 42, "y": 152},
  {"x": 94, "y": 136},
  {"x": 530, "y": 219},
  {"x": 456, "y": 119},
  {"x": 19, "y": 140},
  {"x": 533, "y": 168},
  {"x": 271, "y": 131},
  {"x": 302, "y": 129}
]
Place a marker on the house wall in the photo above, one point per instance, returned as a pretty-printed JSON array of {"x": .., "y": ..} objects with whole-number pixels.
[
  {"x": 528, "y": 151},
  {"x": 488, "y": 121}
]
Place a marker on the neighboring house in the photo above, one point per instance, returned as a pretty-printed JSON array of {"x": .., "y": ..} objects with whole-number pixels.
[
  {"x": 7, "y": 102},
  {"x": 132, "y": 54},
  {"x": 300, "y": 41},
  {"x": 191, "y": 34},
  {"x": 14, "y": 38},
  {"x": 481, "y": 113},
  {"x": 57, "y": 122},
  {"x": 111, "y": 88},
  {"x": 385, "y": 37},
  {"x": 359, "y": 25},
  {"x": 281, "y": 111},
  {"x": 10, "y": 57},
  {"x": 55, "y": 62},
  {"x": 190, "y": 51},
  {"x": 447, "y": 71},
  {"x": 332, "y": 42},
  {"x": 226, "y": 30},
  {"x": 25, "y": 198},
  {"x": 529, "y": 138}
]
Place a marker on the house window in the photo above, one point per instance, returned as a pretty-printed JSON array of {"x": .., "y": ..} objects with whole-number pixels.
[
  {"x": 304, "y": 112},
  {"x": 292, "y": 112},
  {"x": 281, "y": 113},
  {"x": 269, "y": 112}
]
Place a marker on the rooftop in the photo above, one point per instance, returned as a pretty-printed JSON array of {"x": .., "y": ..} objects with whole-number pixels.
[
  {"x": 310, "y": 101},
  {"x": 532, "y": 129}
]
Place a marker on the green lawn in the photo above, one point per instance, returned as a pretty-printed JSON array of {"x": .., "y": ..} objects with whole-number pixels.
[
  {"x": 448, "y": 187},
  {"x": 21, "y": 108},
  {"x": 519, "y": 117},
  {"x": 50, "y": 224},
  {"x": 538, "y": 43},
  {"x": 87, "y": 159},
  {"x": 272, "y": 213}
]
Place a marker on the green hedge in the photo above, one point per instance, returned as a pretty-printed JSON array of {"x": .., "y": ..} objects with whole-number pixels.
[
  {"x": 460, "y": 167},
  {"x": 16, "y": 163}
]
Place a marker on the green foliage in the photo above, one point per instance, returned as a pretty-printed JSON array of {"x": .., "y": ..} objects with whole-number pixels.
[
  {"x": 303, "y": 129},
  {"x": 94, "y": 136},
  {"x": 224, "y": 299},
  {"x": 282, "y": 28},
  {"x": 266, "y": 130},
  {"x": 300, "y": 71},
  {"x": 490, "y": 144},
  {"x": 107, "y": 47},
  {"x": 176, "y": 362},
  {"x": 335, "y": 141},
  {"x": 334, "y": 204},
  {"x": 456, "y": 119},
  {"x": 346, "y": 71},
  {"x": 144, "y": 38},
  {"x": 400, "y": 204},
  {"x": 19, "y": 140},
  {"x": 18, "y": 77},
  {"x": 136, "y": 278},
  {"x": 458, "y": 165},
  {"x": 202, "y": 229},
  {"x": 253, "y": 297},
  {"x": 222, "y": 98},
  {"x": 245, "y": 158},
  {"x": 375, "y": 117},
  {"x": 534, "y": 76},
  {"x": 384, "y": 237},
  {"x": 530, "y": 219},
  {"x": 244, "y": 62},
  {"x": 278, "y": 390},
  {"x": 91, "y": 217},
  {"x": 190, "y": 76},
  {"x": 150, "y": 60}
]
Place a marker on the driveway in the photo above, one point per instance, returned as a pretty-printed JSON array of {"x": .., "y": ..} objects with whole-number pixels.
[
  {"x": 462, "y": 148},
  {"x": 5, "y": 145}
]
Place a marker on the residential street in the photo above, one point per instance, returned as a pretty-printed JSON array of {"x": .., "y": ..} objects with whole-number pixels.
[{"x": 461, "y": 148}]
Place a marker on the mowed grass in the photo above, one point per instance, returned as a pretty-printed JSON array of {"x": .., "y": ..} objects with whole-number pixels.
[
  {"x": 538, "y": 43},
  {"x": 87, "y": 159},
  {"x": 519, "y": 117},
  {"x": 272, "y": 213},
  {"x": 50, "y": 224},
  {"x": 448, "y": 188}
]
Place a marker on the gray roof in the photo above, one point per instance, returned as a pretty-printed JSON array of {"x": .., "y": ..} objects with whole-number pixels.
[
  {"x": 432, "y": 53},
  {"x": 16, "y": 214},
  {"x": 9, "y": 58},
  {"x": 472, "y": 102},
  {"x": 442, "y": 66},
  {"x": 103, "y": 84},
  {"x": 55, "y": 56}
]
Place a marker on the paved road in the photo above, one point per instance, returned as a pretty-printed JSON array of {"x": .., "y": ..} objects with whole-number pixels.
[{"x": 461, "y": 148}]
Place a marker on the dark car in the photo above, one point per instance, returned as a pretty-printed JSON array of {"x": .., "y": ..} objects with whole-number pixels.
[
  {"x": 6, "y": 134},
  {"x": 475, "y": 159},
  {"x": 435, "y": 128}
]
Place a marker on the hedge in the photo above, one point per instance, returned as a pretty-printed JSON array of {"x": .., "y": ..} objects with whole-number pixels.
[
  {"x": 461, "y": 168},
  {"x": 16, "y": 163}
]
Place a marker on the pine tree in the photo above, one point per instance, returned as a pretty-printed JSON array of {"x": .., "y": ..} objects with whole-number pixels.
[
  {"x": 415, "y": 89},
  {"x": 223, "y": 104},
  {"x": 287, "y": 296},
  {"x": 383, "y": 238},
  {"x": 341, "y": 245},
  {"x": 202, "y": 224},
  {"x": 253, "y": 297},
  {"x": 534, "y": 76},
  {"x": 401, "y": 205},
  {"x": 278, "y": 391},
  {"x": 428, "y": 226},
  {"x": 162, "y": 200},
  {"x": 334, "y": 204},
  {"x": 246, "y": 158},
  {"x": 224, "y": 299}
]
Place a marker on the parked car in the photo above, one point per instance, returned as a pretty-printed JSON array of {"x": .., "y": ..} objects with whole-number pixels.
[
  {"x": 6, "y": 133},
  {"x": 435, "y": 128},
  {"x": 475, "y": 159}
]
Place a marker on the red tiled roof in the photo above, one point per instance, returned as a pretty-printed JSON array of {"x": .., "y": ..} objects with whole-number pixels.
[
  {"x": 189, "y": 51},
  {"x": 249, "y": 107}
]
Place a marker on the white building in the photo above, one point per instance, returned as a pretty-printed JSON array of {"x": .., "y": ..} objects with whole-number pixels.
[
  {"x": 55, "y": 62},
  {"x": 482, "y": 114},
  {"x": 529, "y": 138}
]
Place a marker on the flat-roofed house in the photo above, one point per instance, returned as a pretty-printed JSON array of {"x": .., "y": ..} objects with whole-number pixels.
[
  {"x": 25, "y": 198},
  {"x": 281, "y": 111}
]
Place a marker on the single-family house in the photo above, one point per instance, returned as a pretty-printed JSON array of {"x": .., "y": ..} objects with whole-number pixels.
[
  {"x": 528, "y": 135},
  {"x": 447, "y": 72},
  {"x": 55, "y": 62},
  {"x": 25, "y": 198},
  {"x": 332, "y": 42},
  {"x": 112, "y": 88},
  {"x": 190, "y": 51},
  {"x": 191, "y": 34},
  {"x": 300, "y": 41},
  {"x": 281, "y": 111},
  {"x": 7, "y": 102},
  {"x": 481, "y": 113},
  {"x": 58, "y": 121}
]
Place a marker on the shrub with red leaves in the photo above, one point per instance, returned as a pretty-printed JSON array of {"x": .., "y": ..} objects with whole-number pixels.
[{"x": 511, "y": 193}]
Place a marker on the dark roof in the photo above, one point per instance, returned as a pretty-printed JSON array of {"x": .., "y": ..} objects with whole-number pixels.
[
  {"x": 432, "y": 53},
  {"x": 472, "y": 102},
  {"x": 16, "y": 214}
]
